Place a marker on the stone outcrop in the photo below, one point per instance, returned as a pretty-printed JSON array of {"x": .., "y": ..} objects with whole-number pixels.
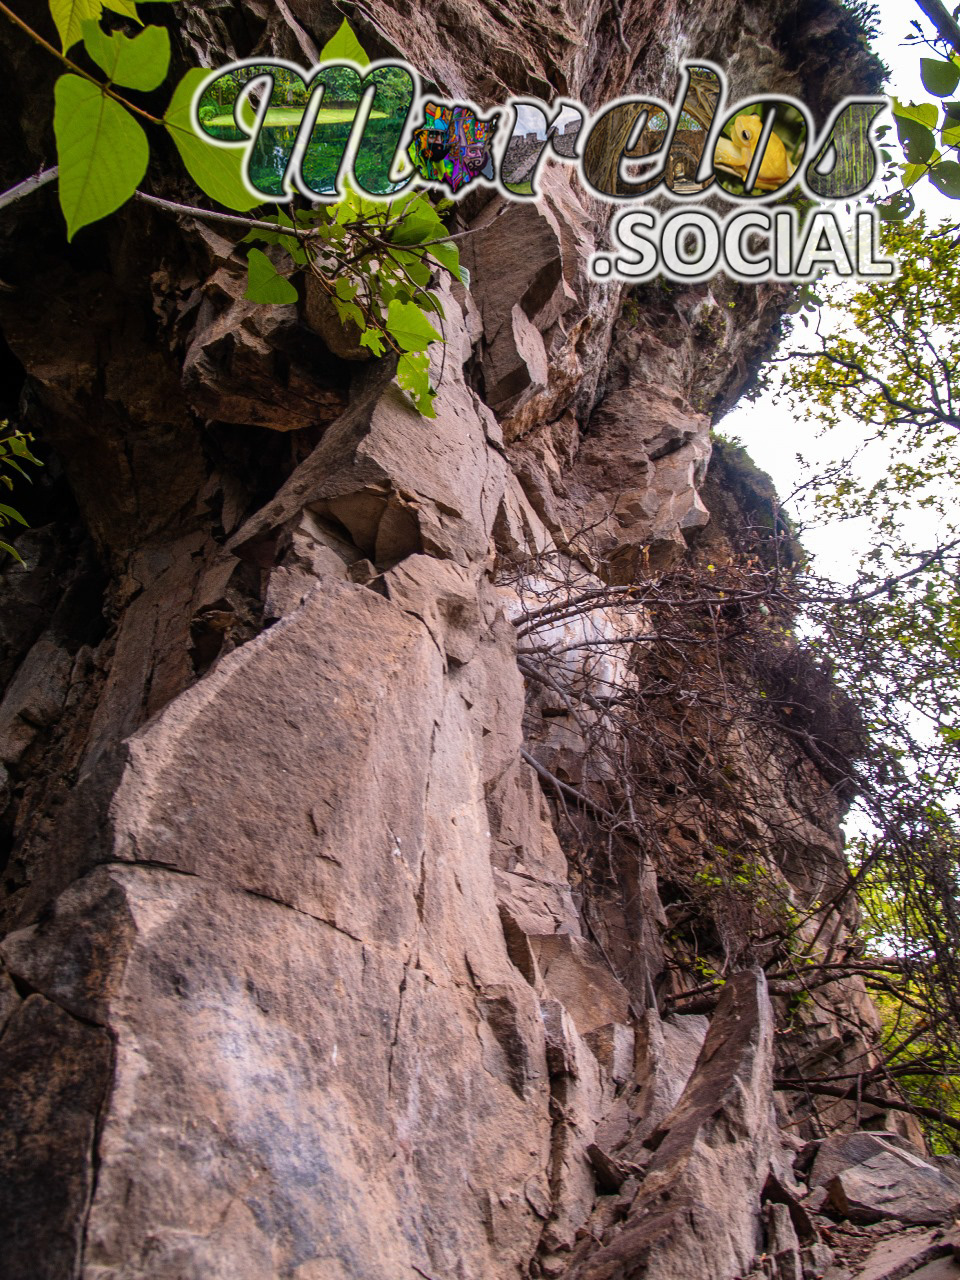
[
  {"x": 893, "y": 1184},
  {"x": 319, "y": 958},
  {"x": 720, "y": 1135}
]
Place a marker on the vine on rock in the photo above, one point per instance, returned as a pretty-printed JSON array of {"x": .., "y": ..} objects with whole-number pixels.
[{"x": 374, "y": 259}]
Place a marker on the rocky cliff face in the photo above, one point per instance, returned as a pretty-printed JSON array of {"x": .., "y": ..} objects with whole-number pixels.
[{"x": 308, "y": 970}]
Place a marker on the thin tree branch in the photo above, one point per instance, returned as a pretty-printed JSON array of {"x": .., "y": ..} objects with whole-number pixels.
[
  {"x": 871, "y": 1100},
  {"x": 564, "y": 788},
  {"x": 27, "y": 186},
  {"x": 947, "y": 26},
  {"x": 79, "y": 71}
]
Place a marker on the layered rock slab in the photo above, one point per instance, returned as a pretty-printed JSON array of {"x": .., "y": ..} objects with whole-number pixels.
[
  {"x": 321, "y": 1045},
  {"x": 894, "y": 1184},
  {"x": 695, "y": 1213}
]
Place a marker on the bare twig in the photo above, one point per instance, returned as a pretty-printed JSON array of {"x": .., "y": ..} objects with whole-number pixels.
[
  {"x": 871, "y": 1100},
  {"x": 28, "y": 186}
]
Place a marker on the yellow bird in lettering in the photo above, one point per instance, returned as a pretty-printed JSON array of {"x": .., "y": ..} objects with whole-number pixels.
[{"x": 736, "y": 155}]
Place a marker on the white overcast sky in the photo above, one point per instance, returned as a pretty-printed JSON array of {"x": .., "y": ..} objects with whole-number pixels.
[{"x": 771, "y": 432}]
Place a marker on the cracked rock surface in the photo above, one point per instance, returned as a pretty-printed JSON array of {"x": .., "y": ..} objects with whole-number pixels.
[{"x": 298, "y": 980}]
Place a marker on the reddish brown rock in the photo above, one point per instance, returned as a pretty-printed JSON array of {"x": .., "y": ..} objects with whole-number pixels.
[
  {"x": 696, "y": 1210},
  {"x": 55, "y": 1074},
  {"x": 308, "y": 974}
]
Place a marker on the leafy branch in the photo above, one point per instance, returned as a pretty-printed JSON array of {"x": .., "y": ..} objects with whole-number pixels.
[
  {"x": 102, "y": 149},
  {"x": 14, "y": 452},
  {"x": 374, "y": 261},
  {"x": 929, "y": 131}
]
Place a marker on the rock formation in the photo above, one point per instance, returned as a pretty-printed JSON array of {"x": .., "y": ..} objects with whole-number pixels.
[{"x": 304, "y": 975}]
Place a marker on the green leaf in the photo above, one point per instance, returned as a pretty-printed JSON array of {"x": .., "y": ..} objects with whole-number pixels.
[
  {"x": 101, "y": 150},
  {"x": 5, "y": 546},
  {"x": 925, "y": 113},
  {"x": 448, "y": 255},
  {"x": 896, "y": 208},
  {"x": 11, "y": 514},
  {"x": 349, "y": 311},
  {"x": 137, "y": 63},
  {"x": 917, "y": 140},
  {"x": 126, "y": 8},
  {"x": 344, "y": 46},
  {"x": 939, "y": 78},
  {"x": 373, "y": 339},
  {"x": 12, "y": 462},
  {"x": 396, "y": 206},
  {"x": 288, "y": 242},
  {"x": 419, "y": 223},
  {"x": 346, "y": 288},
  {"x": 430, "y": 302},
  {"x": 412, "y": 376},
  {"x": 411, "y": 328},
  {"x": 414, "y": 265},
  {"x": 215, "y": 170},
  {"x": 946, "y": 178},
  {"x": 70, "y": 15},
  {"x": 264, "y": 282},
  {"x": 19, "y": 446}
]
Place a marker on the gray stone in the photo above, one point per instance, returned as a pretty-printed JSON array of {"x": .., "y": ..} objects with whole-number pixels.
[
  {"x": 841, "y": 1150},
  {"x": 900, "y": 1255},
  {"x": 816, "y": 1260},
  {"x": 782, "y": 1243},
  {"x": 894, "y": 1184}
]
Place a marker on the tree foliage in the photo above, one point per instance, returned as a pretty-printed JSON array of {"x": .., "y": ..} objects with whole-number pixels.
[
  {"x": 929, "y": 131},
  {"x": 374, "y": 260},
  {"x": 887, "y": 359}
]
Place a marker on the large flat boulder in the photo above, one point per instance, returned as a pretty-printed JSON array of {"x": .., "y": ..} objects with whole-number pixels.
[
  {"x": 842, "y": 1150},
  {"x": 894, "y": 1184}
]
